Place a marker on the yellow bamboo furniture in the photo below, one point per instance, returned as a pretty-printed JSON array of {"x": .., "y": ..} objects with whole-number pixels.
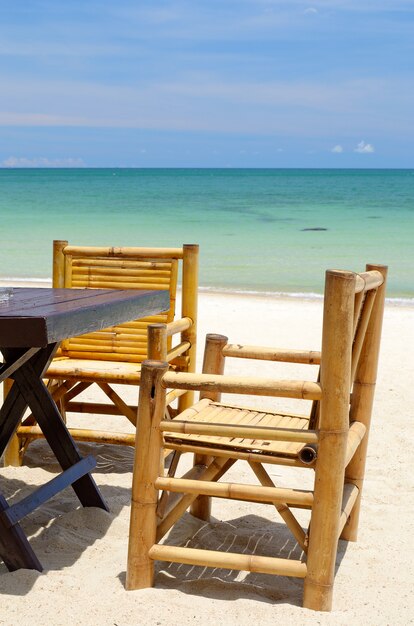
[
  {"x": 114, "y": 356},
  {"x": 331, "y": 440}
]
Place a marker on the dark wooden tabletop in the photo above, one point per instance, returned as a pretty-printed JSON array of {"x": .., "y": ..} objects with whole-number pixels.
[{"x": 35, "y": 317}]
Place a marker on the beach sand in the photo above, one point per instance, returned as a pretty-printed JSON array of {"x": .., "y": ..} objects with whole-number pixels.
[{"x": 84, "y": 551}]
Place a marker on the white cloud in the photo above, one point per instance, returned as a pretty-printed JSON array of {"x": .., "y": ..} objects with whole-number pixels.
[
  {"x": 337, "y": 149},
  {"x": 364, "y": 148},
  {"x": 310, "y": 10},
  {"x": 13, "y": 161}
]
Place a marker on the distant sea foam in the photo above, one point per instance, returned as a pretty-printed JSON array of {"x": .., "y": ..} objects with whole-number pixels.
[{"x": 405, "y": 302}]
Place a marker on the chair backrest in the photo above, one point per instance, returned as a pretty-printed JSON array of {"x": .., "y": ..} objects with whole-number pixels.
[
  {"x": 125, "y": 268},
  {"x": 356, "y": 321}
]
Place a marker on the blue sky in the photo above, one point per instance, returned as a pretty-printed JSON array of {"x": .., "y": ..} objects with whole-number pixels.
[{"x": 211, "y": 83}]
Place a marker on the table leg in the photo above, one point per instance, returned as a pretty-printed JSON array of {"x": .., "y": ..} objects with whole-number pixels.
[
  {"x": 15, "y": 549},
  {"x": 15, "y": 405},
  {"x": 30, "y": 387}
]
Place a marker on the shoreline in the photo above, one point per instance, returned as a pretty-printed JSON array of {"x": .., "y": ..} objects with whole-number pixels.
[{"x": 394, "y": 301}]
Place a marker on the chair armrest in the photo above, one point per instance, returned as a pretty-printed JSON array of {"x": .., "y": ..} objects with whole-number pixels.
[
  {"x": 178, "y": 350},
  {"x": 178, "y": 326},
  {"x": 301, "y": 389},
  {"x": 158, "y": 334},
  {"x": 310, "y": 357}
]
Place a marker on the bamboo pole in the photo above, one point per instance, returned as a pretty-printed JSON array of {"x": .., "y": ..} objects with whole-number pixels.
[
  {"x": 359, "y": 335},
  {"x": 157, "y": 342},
  {"x": 189, "y": 299},
  {"x": 129, "y": 335},
  {"x": 173, "y": 395},
  {"x": 103, "y": 283},
  {"x": 62, "y": 390},
  {"x": 144, "y": 253},
  {"x": 356, "y": 434},
  {"x": 213, "y": 363},
  {"x": 260, "y": 457},
  {"x": 169, "y": 500},
  {"x": 309, "y": 357},
  {"x": 61, "y": 268},
  {"x": 178, "y": 350},
  {"x": 142, "y": 282},
  {"x": 301, "y": 389},
  {"x": 139, "y": 324},
  {"x": 173, "y": 291},
  {"x": 65, "y": 370},
  {"x": 148, "y": 448},
  {"x": 75, "y": 388},
  {"x": 85, "y": 435},
  {"x": 178, "y": 326},
  {"x": 68, "y": 270},
  {"x": 363, "y": 398},
  {"x": 98, "y": 268},
  {"x": 179, "y": 362},
  {"x": 98, "y": 408},
  {"x": 348, "y": 501},
  {"x": 105, "y": 349},
  {"x": 281, "y": 507},
  {"x": 112, "y": 376},
  {"x": 229, "y": 560},
  {"x": 236, "y": 491},
  {"x": 59, "y": 263},
  {"x": 371, "y": 279},
  {"x": 148, "y": 265},
  {"x": 308, "y": 454},
  {"x": 334, "y": 416},
  {"x": 239, "y": 430},
  {"x": 135, "y": 343},
  {"x": 12, "y": 453},
  {"x": 216, "y": 469},
  {"x": 119, "y": 403}
]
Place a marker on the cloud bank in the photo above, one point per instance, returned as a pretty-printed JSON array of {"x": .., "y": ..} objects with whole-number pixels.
[{"x": 13, "y": 161}]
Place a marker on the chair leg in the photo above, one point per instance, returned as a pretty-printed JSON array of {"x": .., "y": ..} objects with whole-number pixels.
[
  {"x": 362, "y": 396},
  {"x": 333, "y": 432},
  {"x": 144, "y": 499},
  {"x": 201, "y": 507},
  {"x": 12, "y": 454},
  {"x": 189, "y": 291},
  {"x": 324, "y": 527},
  {"x": 52, "y": 385},
  {"x": 213, "y": 363}
]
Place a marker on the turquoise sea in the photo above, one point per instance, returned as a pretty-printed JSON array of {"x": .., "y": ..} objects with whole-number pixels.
[{"x": 259, "y": 230}]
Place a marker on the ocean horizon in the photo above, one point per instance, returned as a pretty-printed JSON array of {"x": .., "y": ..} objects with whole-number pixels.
[{"x": 261, "y": 231}]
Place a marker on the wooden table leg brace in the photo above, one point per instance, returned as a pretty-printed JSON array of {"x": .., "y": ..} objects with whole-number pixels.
[{"x": 26, "y": 367}]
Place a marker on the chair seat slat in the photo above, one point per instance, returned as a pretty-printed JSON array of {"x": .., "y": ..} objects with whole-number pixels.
[{"x": 220, "y": 413}]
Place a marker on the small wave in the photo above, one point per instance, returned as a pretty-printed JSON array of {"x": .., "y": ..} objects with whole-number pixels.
[
  {"x": 19, "y": 279},
  {"x": 250, "y": 292},
  {"x": 400, "y": 301},
  {"x": 299, "y": 295}
]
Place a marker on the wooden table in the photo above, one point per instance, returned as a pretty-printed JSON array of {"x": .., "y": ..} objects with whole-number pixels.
[{"x": 32, "y": 323}]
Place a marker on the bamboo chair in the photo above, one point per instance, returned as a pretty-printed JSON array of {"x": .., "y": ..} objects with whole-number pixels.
[
  {"x": 114, "y": 355},
  {"x": 331, "y": 441}
]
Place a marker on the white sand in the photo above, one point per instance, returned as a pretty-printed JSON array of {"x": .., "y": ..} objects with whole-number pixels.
[{"x": 83, "y": 551}]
